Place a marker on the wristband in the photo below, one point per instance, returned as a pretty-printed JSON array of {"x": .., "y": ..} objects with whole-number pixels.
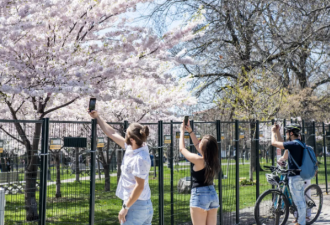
[
  {"x": 191, "y": 132},
  {"x": 125, "y": 207}
]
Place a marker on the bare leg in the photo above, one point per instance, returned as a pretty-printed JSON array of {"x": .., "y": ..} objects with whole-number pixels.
[
  {"x": 212, "y": 217},
  {"x": 198, "y": 216}
]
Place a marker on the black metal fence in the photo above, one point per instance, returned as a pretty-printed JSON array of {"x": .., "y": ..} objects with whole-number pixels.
[{"x": 50, "y": 180}]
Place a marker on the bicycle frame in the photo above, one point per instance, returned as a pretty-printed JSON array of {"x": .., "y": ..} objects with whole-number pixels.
[
  {"x": 283, "y": 187},
  {"x": 286, "y": 189}
]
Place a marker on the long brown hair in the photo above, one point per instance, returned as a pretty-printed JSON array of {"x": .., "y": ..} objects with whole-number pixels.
[
  {"x": 137, "y": 132},
  {"x": 211, "y": 157}
]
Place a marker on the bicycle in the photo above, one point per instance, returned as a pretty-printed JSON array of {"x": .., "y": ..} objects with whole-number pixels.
[{"x": 267, "y": 210}]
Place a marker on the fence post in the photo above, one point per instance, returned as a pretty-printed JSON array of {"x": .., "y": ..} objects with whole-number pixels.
[
  {"x": 191, "y": 147},
  {"x": 2, "y": 206},
  {"x": 220, "y": 172},
  {"x": 172, "y": 175},
  {"x": 314, "y": 142},
  {"x": 43, "y": 171},
  {"x": 257, "y": 160},
  {"x": 237, "y": 169},
  {"x": 160, "y": 173},
  {"x": 325, "y": 158},
  {"x": 303, "y": 136},
  {"x": 92, "y": 174},
  {"x": 273, "y": 148},
  {"x": 273, "y": 153},
  {"x": 284, "y": 125}
]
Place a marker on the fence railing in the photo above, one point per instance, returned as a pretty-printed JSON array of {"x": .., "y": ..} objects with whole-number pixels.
[{"x": 50, "y": 181}]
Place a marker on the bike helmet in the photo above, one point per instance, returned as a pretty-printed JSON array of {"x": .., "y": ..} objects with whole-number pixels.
[
  {"x": 295, "y": 128},
  {"x": 272, "y": 179}
]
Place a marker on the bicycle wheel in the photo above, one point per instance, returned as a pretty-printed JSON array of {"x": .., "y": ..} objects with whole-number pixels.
[
  {"x": 314, "y": 201},
  {"x": 271, "y": 208}
]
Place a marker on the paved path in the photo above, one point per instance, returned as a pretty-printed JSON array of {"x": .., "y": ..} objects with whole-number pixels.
[
  {"x": 324, "y": 218},
  {"x": 247, "y": 215}
]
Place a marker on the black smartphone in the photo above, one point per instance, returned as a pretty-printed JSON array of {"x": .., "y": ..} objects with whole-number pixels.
[
  {"x": 92, "y": 103},
  {"x": 186, "y": 118}
]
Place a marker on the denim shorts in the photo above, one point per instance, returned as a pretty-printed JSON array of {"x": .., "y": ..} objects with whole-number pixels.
[
  {"x": 204, "y": 197},
  {"x": 140, "y": 213}
]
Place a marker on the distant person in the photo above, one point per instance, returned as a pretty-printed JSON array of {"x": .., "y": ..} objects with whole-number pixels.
[
  {"x": 133, "y": 187},
  {"x": 8, "y": 165},
  {"x": 204, "y": 201},
  {"x": 296, "y": 182}
]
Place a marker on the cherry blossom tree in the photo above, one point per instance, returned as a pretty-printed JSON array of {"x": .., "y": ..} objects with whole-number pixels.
[
  {"x": 151, "y": 102},
  {"x": 54, "y": 52}
]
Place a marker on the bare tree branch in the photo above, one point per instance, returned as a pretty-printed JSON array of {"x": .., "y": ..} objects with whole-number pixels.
[
  {"x": 58, "y": 107},
  {"x": 10, "y": 135}
]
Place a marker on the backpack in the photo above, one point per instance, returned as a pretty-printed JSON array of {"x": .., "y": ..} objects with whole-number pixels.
[{"x": 309, "y": 162}]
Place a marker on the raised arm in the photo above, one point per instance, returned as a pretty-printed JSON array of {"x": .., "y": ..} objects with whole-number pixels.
[
  {"x": 193, "y": 137},
  {"x": 108, "y": 130},
  {"x": 191, "y": 157},
  {"x": 276, "y": 143},
  {"x": 278, "y": 135}
]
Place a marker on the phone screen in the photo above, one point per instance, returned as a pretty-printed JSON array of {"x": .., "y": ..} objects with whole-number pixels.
[
  {"x": 92, "y": 103},
  {"x": 186, "y": 120}
]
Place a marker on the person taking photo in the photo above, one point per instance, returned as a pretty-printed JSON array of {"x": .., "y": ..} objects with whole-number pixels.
[
  {"x": 133, "y": 187},
  {"x": 204, "y": 201},
  {"x": 296, "y": 182}
]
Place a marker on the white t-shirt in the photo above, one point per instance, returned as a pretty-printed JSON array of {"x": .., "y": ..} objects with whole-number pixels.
[{"x": 136, "y": 163}]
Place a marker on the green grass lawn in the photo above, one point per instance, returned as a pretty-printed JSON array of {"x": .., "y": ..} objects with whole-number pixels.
[
  {"x": 66, "y": 173},
  {"x": 73, "y": 206}
]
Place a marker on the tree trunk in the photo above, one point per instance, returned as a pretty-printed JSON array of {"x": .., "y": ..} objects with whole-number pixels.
[
  {"x": 106, "y": 177},
  {"x": 98, "y": 164},
  {"x": 31, "y": 170},
  {"x": 106, "y": 166},
  {"x": 77, "y": 164},
  {"x": 254, "y": 153},
  {"x": 58, "y": 175}
]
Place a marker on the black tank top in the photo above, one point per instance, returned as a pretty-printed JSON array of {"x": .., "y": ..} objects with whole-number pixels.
[{"x": 198, "y": 178}]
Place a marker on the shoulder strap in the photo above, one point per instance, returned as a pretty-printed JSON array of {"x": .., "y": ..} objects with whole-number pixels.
[
  {"x": 299, "y": 142},
  {"x": 292, "y": 159}
]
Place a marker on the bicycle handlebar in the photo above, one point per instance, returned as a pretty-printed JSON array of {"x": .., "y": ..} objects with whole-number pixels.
[{"x": 282, "y": 171}]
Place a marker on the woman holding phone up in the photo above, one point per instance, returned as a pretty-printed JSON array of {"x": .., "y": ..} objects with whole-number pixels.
[
  {"x": 204, "y": 201},
  {"x": 133, "y": 187}
]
